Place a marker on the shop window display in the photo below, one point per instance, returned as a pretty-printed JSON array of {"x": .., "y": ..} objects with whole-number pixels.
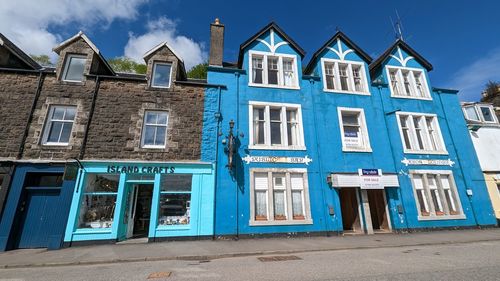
[
  {"x": 175, "y": 199},
  {"x": 99, "y": 199}
]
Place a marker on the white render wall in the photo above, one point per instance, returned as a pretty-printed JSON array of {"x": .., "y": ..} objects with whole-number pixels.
[{"x": 487, "y": 144}]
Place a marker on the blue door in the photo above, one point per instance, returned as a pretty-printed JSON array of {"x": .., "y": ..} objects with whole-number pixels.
[{"x": 37, "y": 213}]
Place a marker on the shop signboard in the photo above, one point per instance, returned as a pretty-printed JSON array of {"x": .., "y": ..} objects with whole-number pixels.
[{"x": 277, "y": 159}]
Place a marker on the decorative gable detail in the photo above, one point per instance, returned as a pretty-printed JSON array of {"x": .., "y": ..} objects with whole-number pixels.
[
  {"x": 339, "y": 50},
  {"x": 272, "y": 47},
  {"x": 400, "y": 58}
]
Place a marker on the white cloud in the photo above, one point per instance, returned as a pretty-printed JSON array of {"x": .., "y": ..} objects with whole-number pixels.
[
  {"x": 27, "y": 22},
  {"x": 161, "y": 30},
  {"x": 471, "y": 79}
]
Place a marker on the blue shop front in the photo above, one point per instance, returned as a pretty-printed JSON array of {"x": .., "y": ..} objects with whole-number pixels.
[{"x": 115, "y": 201}]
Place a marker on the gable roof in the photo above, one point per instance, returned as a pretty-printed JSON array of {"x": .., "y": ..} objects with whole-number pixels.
[
  {"x": 11, "y": 47},
  {"x": 338, "y": 35},
  {"x": 81, "y": 35},
  {"x": 275, "y": 27},
  {"x": 400, "y": 43},
  {"x": 180, "y": 66}
]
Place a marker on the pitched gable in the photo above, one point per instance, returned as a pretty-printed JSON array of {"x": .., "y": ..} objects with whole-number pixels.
[
  {"x": 13, "y": 57},
  {"x": 163, "y": 52}
]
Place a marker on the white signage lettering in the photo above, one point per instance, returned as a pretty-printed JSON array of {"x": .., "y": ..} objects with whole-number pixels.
[
  {"x": 277, "y": 159},
  {"x": 370, "y": 178},
  {"x": 437, "y": 162}
]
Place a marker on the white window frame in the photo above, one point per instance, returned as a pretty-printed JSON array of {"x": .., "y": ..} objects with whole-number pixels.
[
  {"x": 48, "y": 124},
  {"x": 426, "y": 140},
  {"x": 280, "y": 57},
  {"x": 453, "y": 187},
  {"x": 479, "y": 113},
  {"x": 169, "y": 75},
  {"x": 351, "y": 84},
  {"x": 288, "y": 196},
  {"x": 400, "y": 83},
  {"x": 267, "y": 126},
  {"x": 66, "y": 66},
  {"x": 466, "y": 114},
  {"x": 143, "y": 130},
  {"x": 363, "y": 129}
]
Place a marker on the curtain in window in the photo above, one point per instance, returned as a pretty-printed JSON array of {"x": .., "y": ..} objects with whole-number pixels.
[
  {"x": 421, "y": 196},
  {"x": 261, "y": 186},
  {"x": 297, "y": 182},
  {"x": 292, "y": 127},
  {"x": 288, "y": 75},
  {"x": 356, "y": 74}
]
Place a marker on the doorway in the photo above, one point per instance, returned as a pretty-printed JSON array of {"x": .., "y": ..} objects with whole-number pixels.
[
  {"x": 349, "y": 204},
  {"x": 378, "y": 210},
  {"x": 139, "y": 210}
]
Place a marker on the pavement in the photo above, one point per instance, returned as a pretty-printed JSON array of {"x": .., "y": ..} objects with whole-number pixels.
[{"x": 204, "y": 250}]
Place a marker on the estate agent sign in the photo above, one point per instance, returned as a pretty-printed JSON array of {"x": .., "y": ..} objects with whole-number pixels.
[{"x": 370, "y": 178}]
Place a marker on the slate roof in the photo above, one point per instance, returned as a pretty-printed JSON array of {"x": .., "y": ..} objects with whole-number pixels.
[{"x": 5, "y": 42}]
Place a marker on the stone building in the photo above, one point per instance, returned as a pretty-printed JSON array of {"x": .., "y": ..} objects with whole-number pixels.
[{"x": 88, "y": 154}]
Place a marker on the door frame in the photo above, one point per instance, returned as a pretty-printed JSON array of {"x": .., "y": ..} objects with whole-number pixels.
[
  {"x": 386, "y": 207},
  {"x": 359, "y": 208}
]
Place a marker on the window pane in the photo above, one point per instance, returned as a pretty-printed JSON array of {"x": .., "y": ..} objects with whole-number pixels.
[
  {"x": 450, "y": 199},
  {"x": 162, "y": 118},
  {"x": 97, "y": 211},
  {"x": 471, "y": 113},
  {"x": 297, "y": 206},
  {"x": 70, "y": 113},
  {"x": 161, "y": 75},
  {"x": 432, "y": 133},
  {"x": 42, "y": 179},
  {"x": 55, "y": 131},
  {"x": 174, "y": 209},
  {"x": 102, "y": 183},
  {"x": 343, "y": 77},
  {"x": 330, "y": 75},
  {"x": 58, "y": 113},
  {"x": 394, "y": 82},
  {"x": 418, "y": 131},
  {"x": 75, "y": 69},
  {"x": 260, "y": 205},
  {"x": 349, "y": 118},
  {"x": 406, "y": 131},
  {"x": 257, "y": 70},
  {"x": 436, "y": 198},
  {"x": 272, "y": 74},
  {"x": 406, "y": 82},
  {"x": 275, "y": 115},
  {"x": 356, "y": 74},
  {"x": 66, "y": 132},
  {"x": 288, "y": 74},
  {"x": 487, "y": 114},
  {"x": 176, "y": 182},
  {"x": 418, "y": 82},
  {"x": 160, "y": 135},
  {"x": 292, "y": 127},
  {"x": 149, "y": 135},
  {"x": 151, "y": 117},
  {"x": 279, "y": 205},
  {"x": 259, "y": 123}
]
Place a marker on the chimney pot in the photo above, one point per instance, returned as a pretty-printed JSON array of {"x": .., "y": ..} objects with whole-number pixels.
[{"x": 216, "y": 43}]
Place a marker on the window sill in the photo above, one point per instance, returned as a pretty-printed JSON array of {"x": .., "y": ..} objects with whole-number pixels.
[
  {"x": 153, "y": 147},
  {"x": 280, "y": 222},
  {"x": 437, "y": 218},
  {"x": 266, "y": 147},
  {"x": 274, "y": 86},
  {"x": 366, "y": 150},
  {"x": 55, "y": 144},
  {"x": 173, "y": 227},
  {"x": 411, "y": 98},
  {"x": 346, "y": 92},
  {"x": 426, "y": 152},
  {"x": 159, "y": 87},
  {"x": 93, "y": 231}
]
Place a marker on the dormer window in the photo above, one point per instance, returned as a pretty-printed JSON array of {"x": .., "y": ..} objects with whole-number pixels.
[
  {"x": 344, "y": 77},
  {"x": 480, "y": 113},
  {"x": 407, "y": 83},
  {"x": 74, "y": 67},
  {"x": 273, "y": 70},
  {"x": 162, "y": 74}
]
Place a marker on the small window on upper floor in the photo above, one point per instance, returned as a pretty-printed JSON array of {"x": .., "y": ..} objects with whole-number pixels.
[
  {"x": 59, "y": 125},
  {"x": 480, "y": 113},
  {"x": 344, "y": 77},
  {"x": 162, "y": 75},
  {"x": 407, "y": 83},
  {"x": 74, "y": 67},
  {"x": 154, "y": 129},
  {"x": 353, "y": 130},
  {"x": 273, "y": 70}
]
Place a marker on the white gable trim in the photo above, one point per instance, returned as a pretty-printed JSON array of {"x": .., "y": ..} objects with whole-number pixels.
[
  {"x": 80, "y": 34},
  {"x": 148, "y": 53},
  {"x": 340, "y": 53},
  {"x": 400, "y": 58},
  {"x": 272, "y": 47}
]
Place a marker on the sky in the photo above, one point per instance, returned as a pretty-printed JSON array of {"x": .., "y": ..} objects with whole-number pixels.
[{"x": 460, "y": 38}]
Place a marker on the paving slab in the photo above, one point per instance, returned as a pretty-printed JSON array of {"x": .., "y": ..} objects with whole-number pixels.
[{"x": 215, "y": 249}]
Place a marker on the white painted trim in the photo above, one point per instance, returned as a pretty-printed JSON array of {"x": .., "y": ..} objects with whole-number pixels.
[
  {"x": 363, "y": 128},
  {"x": 364, "y": 78},
  {"x": 158, "y": 47},
  {"x": 80, "y": 34},
  {"x": 265, "y": 84},
  {"x": 48, "y": 123},
  {"x": 400, "y": 82},
  {"x": 144, "y": 126},
  {"x": 155, "y": 63},
  {"x": 400, "y": 58},
  {"x": 339, "y": 52},
  {"x": 412, "y": 133},
  {"x": 272, "y": 47}
]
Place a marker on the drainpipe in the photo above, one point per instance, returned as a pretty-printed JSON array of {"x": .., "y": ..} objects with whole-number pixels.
[
  {"x": 216, "y": 161},
  {"x": 320, "y": 167},
  {"x": 41, "y": 78},
  {"x": 379, "y": 87},
  {"x": 91, "y": 114},
  {"x": 237, "y": 75},
  {"x": 456, "y": 153}
]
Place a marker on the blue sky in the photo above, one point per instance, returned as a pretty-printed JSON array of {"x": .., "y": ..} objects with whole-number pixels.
[{"x": 460, "y": 38}]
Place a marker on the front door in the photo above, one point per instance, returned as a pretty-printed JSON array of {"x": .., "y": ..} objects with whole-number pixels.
[
  {"x": 378, "y": 211},
  {"x": 140, "y": 198},
  {"x": 349, "y": 204}
]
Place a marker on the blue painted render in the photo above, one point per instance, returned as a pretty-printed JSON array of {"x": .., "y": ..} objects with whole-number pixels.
[{"x": 55, "y": 223}]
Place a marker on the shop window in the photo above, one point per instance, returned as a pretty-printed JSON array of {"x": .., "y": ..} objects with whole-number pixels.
[
  {"x": 154, "y": 130},
  {"x": 353, "y": 129},
  {"x": 43, "y": 180},
  {"x": 74, "y": 68},
  {"x": 420, "y": 133},
  {"x": 344, "y": 77},
  {"x": 279, "y": 197},
  {"x": 436, "y": 195},
  {"x": 276, "y": 126},
  {"x": 59, "y": 124},
  {"x": 162, "y": 75},
  {"x": 97, "y": 207},
  {"x": 175, "y": 199},
  {"x": 407, "y": 83}
]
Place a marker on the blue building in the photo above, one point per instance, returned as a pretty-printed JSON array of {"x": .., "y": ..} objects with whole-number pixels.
[{"x": 346, "y": 145}]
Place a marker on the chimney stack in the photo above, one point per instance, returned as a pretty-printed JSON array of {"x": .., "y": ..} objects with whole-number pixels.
[{"x": 216, "y": 43}]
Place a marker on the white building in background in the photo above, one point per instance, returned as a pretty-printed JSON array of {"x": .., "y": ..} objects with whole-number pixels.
[{"x": 485, "y": 133}]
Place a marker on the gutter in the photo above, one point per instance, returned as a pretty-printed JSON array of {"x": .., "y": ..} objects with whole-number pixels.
[{"x": 89, "y": 121}]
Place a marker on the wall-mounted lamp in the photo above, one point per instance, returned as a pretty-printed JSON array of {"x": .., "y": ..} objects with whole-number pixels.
[{"x": 229, "y": 143}]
